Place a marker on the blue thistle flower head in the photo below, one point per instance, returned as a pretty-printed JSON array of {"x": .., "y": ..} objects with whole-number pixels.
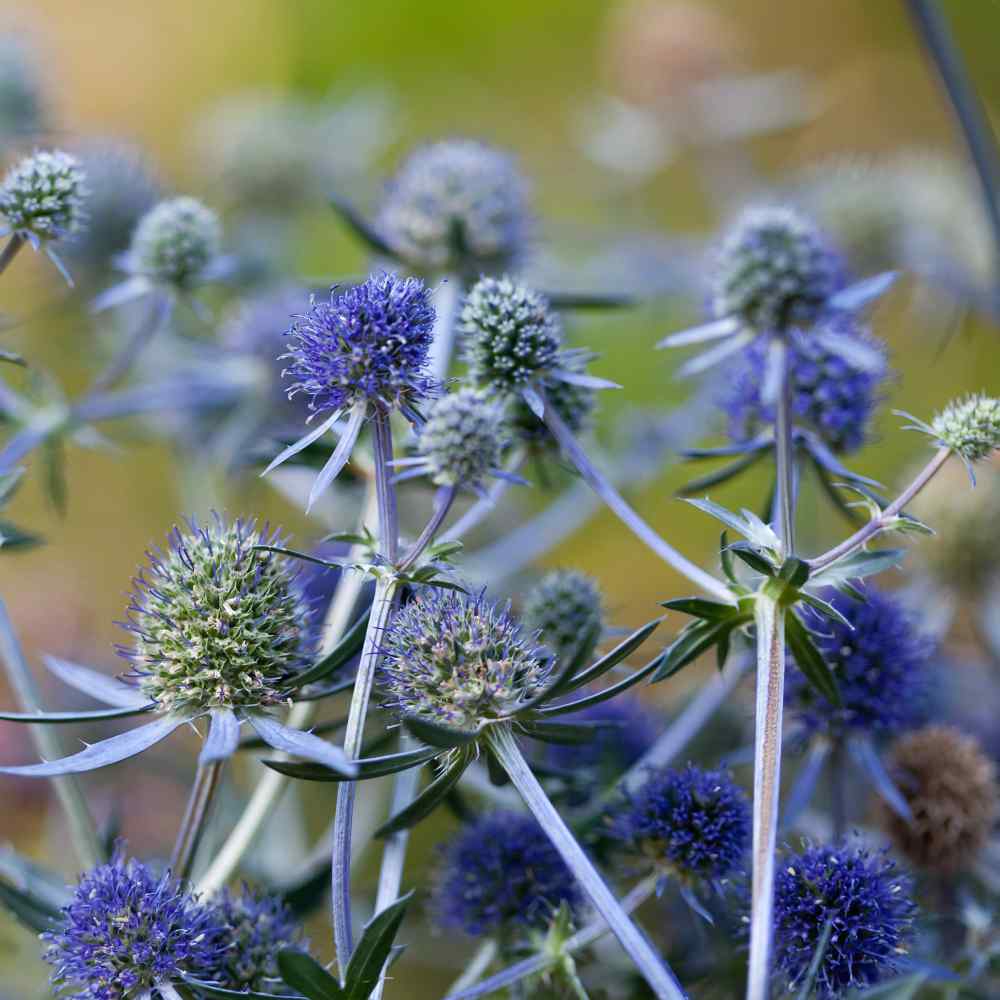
[
  {"x": 830, "y": 397},
  {"x": 176, "y": 243},
  {"x": 457, "y": 206},
  {"x": 866, "y": 901},
  {"x": 501, "y": 872},
  {"x": 365, "y": 344},
  {"x": 42, "y": 197},
  {"x": 881, "y": 666},
  {"x": 511, "y": 334},
  {"x": 566, "y": 608},
  {"x": 463, "y": 438},
  {"x": 774, "y": 270},
  {"x": 970, "y": 427},
  {"x": 459, "y": 662},
  {"x": 216, "y": 622},
  {"x": 255, "y": 927},
  {"x": 632, "y": 729},
  {"x": 575, "y": 405},
  {"x": 694, "y": 824},
  {"x": 125, "y": 930}
]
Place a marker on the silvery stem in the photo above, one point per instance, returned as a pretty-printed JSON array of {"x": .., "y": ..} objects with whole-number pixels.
[
  {"x": 120, "y": 365},
  {"x": 10, "y": 251},
  {"x": 784, "y": 459},
  {"x": 769, "y": 618},
  {"x": 656, "y": 973},
  {"x": 83, "y": 830},
  {"x": 446, "y": 301},
  {"x": 603, "y": 487}
]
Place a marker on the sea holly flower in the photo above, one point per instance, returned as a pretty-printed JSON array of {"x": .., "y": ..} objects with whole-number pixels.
[
  {"x": 691, "y": 825},
  {"x": 950, "y": 786},
  {"x": 362, "y": 351},
  {"x": 774, "y": 272},
  {"x": 852, "y": 906},
  {"x": 967, "y": 427},
  {"x": 175, "y": 248},
  {"x": 42, "y": 200},
  {"x": 500, "y": 873},
  {"x": 219, "y": 629},
  {"x": 127, "y": 931},
  {"x": 566, "y": 609}
]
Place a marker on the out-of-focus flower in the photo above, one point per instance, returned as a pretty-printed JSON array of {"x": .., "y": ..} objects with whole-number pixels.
[
  {"x": 22, "y": 91},
  {"x": 566, "y": 609},
  {"x": 970, "y": 427},
  {"x": 501, "y": 872}
]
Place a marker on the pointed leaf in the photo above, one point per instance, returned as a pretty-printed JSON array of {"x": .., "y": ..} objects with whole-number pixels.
[
  {"x": 825, "y": 608},
  {"x": 694, "y": 639},
  {"x": 605, "y": 694},
  {"x": 218, "y": 993},
  {"x": 817, "y": 960},
  {"x": 571, "y": 733},
  {"x": 340, "y": 456},
  {"x": 752, "y": 557},
  {"x": 716, "y": 329},
  {"x": 367, "y": 767},
  {"x": 862, "y": 292},
  {"x": 361, "y": 227},
  {"x": 303, "y": 442},
  {"x": 223, "y": 736},
  {"x": 302, "y": 972},
  {"x": 321, "y": 729},
  {"x": 867, "y": 758},
  {"x": 582, "y": 379},
  {"x": 699, "y": 607},
  {"x": 341, "y": 654},
  {"x": 720, "y": 476},
  {"x": 623, "y": 650},
  {"x": 859, "y": 564},
  {"x": 436, "y": 735},
  {"x": 715, "y": 355},
  {"x": 34, "y": 913},
  {"x": 109, "y": 751},
  {"x": 301, "y": 744},
  {"x": 372, "y": 951},
  {"x": 588, "y": 300},
  {"x": 99, "y": 686},
  {"x": 535, "y": 402},
  {"x": 428, "y": 800},
  {"x": 63, "y": 718},
  {"x": 809, "y": 659}
]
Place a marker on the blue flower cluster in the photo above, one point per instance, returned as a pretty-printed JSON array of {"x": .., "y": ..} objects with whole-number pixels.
[
  {"x": 365, "y": 343},
  {"x": 830, "y": 397},
  {"x": 501, "y": 871},
  {"x": 863, "y": 898},
  {"x": 693, "y": 823},
  {"x": 880, "y": 660}
]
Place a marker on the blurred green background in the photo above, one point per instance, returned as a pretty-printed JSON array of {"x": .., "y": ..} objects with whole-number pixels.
[{"x": 514, "y": 74}]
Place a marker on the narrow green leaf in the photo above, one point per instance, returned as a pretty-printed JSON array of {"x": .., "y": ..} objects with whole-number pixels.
[
  {"x": 372, "y": 950},
  {"x": 218, "y": 993},
  {"x": 748, "y": 554},
  {"x": 698, "y": 607},
  {"x": 819, "y": 953},
  {"x": 34, "y": 913},
  {"x": 694, "y": 640},
  {"x": 824, "y": 608},
  {"x": 361, "y": 227},
  {"x": 720, "y": 476},
  {"x": 304, "y": 973},
  {"x": 572, "y": 733},
  {"x": 795, "y": 571},
  {"x": 605, "y": 693},
  {"x": 341, "y": 654},
  {"x": 436, "y": 735},
  {"x": 858, "y": 565},
  {"x": 65, "y": 718},
  {"x": 368, "y": 767},
  {"x": 809, "y": 659},
  {"x": 726, "y": 558},
  {"x": 428, "y": 800},
  {"x": 624, "y": 649}
]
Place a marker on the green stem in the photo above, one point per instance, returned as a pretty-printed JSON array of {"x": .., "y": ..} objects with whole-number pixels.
[
  {"x": 193, "y": 825},
  {"x": 652, "y": 967}
]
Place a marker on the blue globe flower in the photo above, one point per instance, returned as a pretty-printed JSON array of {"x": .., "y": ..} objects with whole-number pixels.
[
  {"x": 693, "y": 823},
  {"x": 880, "y": 661},
  {"x": 367, "y": 343},
  {"x": 126, "y": 930},
  {"x": 864, "y": 899},
  {"x": 830, "y": 397},
  {"x": 498, "y": 872}
]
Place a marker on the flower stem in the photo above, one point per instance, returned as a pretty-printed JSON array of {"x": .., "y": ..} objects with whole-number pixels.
[
  {"x": 648, "y": 962},
  {"x": 933, "y": 30},
  {"x": 189, "y": 836},
  {"x": 484, "y": 505},
  {"x": 120, "y": 365},
  {"x": 10, "y": 251},
  {"x": 446, "y": 301},
  {"x": 876, "y": 524},
  {"x": 784, "y": 459},
  {"x": 442, "y": 504},
  {"x": 386, "y": 593},
  {"x": 272, "y": 784},
  {"x": 770, "y": 622},
  {"x": 838, "y": 788},
  {"x": 603, "y": 487},
  {"x": 83, "y": 830},
  {"x": 587, "y": 935}
]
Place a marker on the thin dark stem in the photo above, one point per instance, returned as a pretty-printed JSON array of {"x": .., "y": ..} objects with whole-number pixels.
[
  {"x": 838, "y": 788},
  {"x": 876, "y": 524},
  {"x": 936, "y": 36},
  {"x": 652, "y": 967},
  {"x": 442, "y": 504},
  {"x": 189, "y": 836},
  {"x": 10, "y": 251}
]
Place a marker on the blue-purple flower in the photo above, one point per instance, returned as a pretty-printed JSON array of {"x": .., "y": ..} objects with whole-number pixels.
[
  {"x": 501, "y": 872},
  {"x": 361, "y": 350},
  {"x": 865, "y": 901},
  {"x": 692, "y": 824},
  {"x": 126, "y": 931},
  {"x": 880, "y": 660},
  {"x": 255, "y": 927}
]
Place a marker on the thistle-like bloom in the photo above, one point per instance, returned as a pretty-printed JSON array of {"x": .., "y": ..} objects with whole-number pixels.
[
  {"x": 970, "y": 427},
  {"x": 462, "y": 440},
  {"x": 774, "y": 272},
  {"x": 127, "y": 931},
  {"x": 42, "y": 200},
  {"x": 363, "y": 349},
  {"x": 831, "y": 397},
  {"x": 951, "y": 788},
  {"x": 566, "y": 609},
  {"x": 457, "y": 206},
  {"x": 216, "y": 622},
  {"x": 865, "y": 901},
  {"x": 255, "y": 927},
  {"x": 457, "y": 662},
  {"x": 219, "y": 628},
  {"x": 692, "y": 824},
  {"x": 501, "y": 872},
  {"x": 880, "y": 660}
]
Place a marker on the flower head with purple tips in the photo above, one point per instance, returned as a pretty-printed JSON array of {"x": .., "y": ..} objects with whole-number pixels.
[
  {"x": 501, "y": 871},
  {"x": 127, "y": 930},
  {"x": 864, "y": 900}
]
